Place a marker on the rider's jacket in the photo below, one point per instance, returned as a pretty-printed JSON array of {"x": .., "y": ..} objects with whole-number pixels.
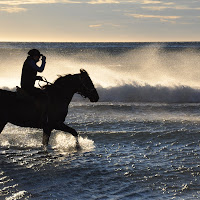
[{"x": 29, "y": 73}]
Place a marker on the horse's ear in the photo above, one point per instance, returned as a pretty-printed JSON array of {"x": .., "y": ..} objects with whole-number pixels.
[{"x": 82, "y": 71}]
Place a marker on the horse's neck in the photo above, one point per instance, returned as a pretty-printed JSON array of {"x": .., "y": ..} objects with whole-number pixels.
[
  {"x": 59, "y": 95},
  {"x": 63, "y": 94}
]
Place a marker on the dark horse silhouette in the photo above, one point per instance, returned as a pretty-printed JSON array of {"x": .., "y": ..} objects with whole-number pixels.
[{"x": 27, "y": 113}]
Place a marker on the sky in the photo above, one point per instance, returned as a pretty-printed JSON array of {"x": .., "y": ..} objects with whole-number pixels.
[{"x": 99, "y": 20}]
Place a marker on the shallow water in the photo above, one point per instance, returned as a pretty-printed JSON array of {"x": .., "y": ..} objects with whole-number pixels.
[{"x": 129, "y": 151}]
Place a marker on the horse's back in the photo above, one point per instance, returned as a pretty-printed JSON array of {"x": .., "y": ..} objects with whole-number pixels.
[
  {"x": 7, "y": 96},
  {"x": 7, "y": 92}
]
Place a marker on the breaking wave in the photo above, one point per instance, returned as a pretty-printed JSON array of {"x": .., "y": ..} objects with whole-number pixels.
[{"x": 147, "y": 93}]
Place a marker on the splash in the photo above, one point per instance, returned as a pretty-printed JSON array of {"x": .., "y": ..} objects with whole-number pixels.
[
  {"x": 13, "y": 136},
  {"x": 144, "y": 66},
  {"x": 67, "y": 143}
]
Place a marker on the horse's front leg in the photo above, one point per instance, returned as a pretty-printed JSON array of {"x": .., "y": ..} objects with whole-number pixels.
[
  {"x": 65, "y": 128},
  {"x": 46, "y": 135}
]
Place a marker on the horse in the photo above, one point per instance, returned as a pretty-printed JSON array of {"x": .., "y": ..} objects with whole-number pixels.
[{"x": 48, "y": 113}]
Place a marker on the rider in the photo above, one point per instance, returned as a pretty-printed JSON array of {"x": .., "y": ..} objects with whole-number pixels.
[{"x": 29, "y": 72}]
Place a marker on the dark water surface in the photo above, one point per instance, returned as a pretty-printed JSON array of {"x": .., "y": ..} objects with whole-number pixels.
[{"x": 131, "y": 151}]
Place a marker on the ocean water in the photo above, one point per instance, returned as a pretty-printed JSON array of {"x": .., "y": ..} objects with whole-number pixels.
[{"x": 140, "y": 141}]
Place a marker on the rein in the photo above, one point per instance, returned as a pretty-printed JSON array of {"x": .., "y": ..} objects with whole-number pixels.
[{"x": 44, "y": 80}]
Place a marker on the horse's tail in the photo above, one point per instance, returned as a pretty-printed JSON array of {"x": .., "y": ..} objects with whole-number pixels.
[{"x": 7, "y": 98}]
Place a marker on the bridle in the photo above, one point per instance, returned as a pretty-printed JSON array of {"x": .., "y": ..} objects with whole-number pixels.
[{"x": 85, "y": 88}]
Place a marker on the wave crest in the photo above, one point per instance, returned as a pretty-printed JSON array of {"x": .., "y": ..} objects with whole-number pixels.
[{"x": 147, "y": 93}]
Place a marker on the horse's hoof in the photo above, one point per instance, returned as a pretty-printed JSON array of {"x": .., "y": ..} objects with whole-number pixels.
[
  {"x": 45, "y": 148},
  {"x": 78, "y": 147}
]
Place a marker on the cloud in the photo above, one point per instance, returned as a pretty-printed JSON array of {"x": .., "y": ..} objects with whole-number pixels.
[
  {"x": 153, "y": 5},
  {"x": 95, "y": 25},
  {"x": 12, "y": 6},
  {"x": 167, "y": 20},
  {"x": 154, "y": 16},
  {"x": 159, "y": 8},
  {"x": 138, "y": 2},
  {"x": 27, "y": 2},
  {"x": 111, "y": 25},
  {"x": 150, "y": 2},
  {"x": 15, "y": 3},
  {"x": 31, "y": 2},
  {"x": 103, "y": 1},
  {"x": 12, "y": 9}
]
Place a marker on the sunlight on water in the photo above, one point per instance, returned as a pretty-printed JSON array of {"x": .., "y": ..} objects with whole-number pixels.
[{"x": 18, "y": 195}]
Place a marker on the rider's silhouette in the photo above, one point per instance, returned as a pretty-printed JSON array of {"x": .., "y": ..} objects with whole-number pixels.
[{"x": 29, "y": 72}]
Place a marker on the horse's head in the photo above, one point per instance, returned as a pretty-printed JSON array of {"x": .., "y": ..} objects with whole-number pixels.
[{"x": 87, "y": 88}]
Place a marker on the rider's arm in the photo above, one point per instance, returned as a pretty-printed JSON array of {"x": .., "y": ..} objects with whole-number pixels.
[{"x": 34, "y": 66}]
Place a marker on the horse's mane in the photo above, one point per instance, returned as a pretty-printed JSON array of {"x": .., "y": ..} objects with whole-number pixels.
[
  {"x": 65, "y": 78},
  {"x": 62, "y": 78},
  {"x": 59, "y": 81}
]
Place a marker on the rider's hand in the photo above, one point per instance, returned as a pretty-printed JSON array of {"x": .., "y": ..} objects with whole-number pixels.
[{"x": 43, "y": 58}]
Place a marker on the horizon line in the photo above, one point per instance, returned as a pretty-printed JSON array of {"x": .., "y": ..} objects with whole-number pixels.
[{"x": 99, "y": 41}]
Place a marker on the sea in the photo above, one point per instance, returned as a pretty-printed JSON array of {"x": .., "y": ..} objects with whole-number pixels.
[{"x": 140, "y": 141}]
